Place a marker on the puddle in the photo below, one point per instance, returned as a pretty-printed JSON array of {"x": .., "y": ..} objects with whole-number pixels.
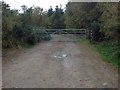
[{"x": 62, "y": 56}]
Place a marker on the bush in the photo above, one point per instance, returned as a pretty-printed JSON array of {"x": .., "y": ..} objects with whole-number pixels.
[
  {"x": 34, "y": 35},
  {"x": 96, "y": 34},
  {"x": 43, "y": 35},
  {"x": 32, "y": 39},
  {"x": 18, "y": 32},
  {"x": 24, "y": 34}
]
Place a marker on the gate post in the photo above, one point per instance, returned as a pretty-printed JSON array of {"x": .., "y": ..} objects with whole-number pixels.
[
  {"x": 91, "y": 35},
  {"x": 87, "y": 33}
]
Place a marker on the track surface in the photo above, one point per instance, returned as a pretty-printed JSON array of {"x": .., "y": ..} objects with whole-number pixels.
[{"x": 44, "y": 67}]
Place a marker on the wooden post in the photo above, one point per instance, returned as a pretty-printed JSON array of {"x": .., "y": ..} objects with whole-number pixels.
[
  {"x": 91, "y": 35},
  {"x": 87, "y": 33}
]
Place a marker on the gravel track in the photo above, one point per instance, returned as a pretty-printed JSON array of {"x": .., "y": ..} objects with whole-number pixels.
[{"x": 57, "y": 65}]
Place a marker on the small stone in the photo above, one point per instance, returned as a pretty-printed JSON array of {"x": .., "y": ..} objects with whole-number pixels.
[
  {"x": 14, "y": 87},
  {"x": 104, "y": 84},
  {"x": 64, "y": 55},
  {"x": 55, "y": 56},
  {"x": 104, "y": 67}
]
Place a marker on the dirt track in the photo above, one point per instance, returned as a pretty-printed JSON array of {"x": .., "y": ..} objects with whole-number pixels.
[{"x": 43, "y": 67}]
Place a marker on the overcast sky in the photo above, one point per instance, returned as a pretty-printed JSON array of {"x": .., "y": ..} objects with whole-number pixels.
[{"x": 45, "y": 4}]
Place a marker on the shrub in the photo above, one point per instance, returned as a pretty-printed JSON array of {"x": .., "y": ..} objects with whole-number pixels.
[{"x": 96, "y": 34}]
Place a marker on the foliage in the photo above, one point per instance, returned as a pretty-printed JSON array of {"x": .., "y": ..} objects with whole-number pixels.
[
  {"x": 109, "y": 52},
  {"x": 109, "y": 19},
  {"x": 102, "y": 18},
  {"x": 30, "y": 34},
  {"x": 18, "y": 27},
  {"x": 9, "y": 20},
  {"x": 56, "y": 18}
]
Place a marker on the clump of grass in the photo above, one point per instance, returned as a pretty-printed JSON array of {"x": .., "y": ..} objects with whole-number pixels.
[
  {"x": 26, "y": 45},
  {"x": 82, "y": 40},
  {"x": 109, "y": 52}
]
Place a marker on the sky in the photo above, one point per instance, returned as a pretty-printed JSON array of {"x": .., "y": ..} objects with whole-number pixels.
[{"x": 45, "y": 4}]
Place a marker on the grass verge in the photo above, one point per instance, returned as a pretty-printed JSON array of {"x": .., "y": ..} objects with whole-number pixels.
[{"x": 109, "y": 53}]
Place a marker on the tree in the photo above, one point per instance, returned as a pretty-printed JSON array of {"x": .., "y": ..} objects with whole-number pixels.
[
  {"x": 50, "y": 11},
  {"x": 9, "y": 20},
  {"x": 56, "y": 18},
  {"x": 109, "y": 19}
]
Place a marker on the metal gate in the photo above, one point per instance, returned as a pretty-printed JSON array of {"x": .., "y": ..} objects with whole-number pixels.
[{"x": 67, "y": 35}]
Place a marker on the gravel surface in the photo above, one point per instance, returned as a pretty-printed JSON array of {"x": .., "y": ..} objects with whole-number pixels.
[{"x": 57, "y": 65}]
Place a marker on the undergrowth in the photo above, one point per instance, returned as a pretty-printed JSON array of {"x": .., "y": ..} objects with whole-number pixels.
[{"x": 109, "y": 52}]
